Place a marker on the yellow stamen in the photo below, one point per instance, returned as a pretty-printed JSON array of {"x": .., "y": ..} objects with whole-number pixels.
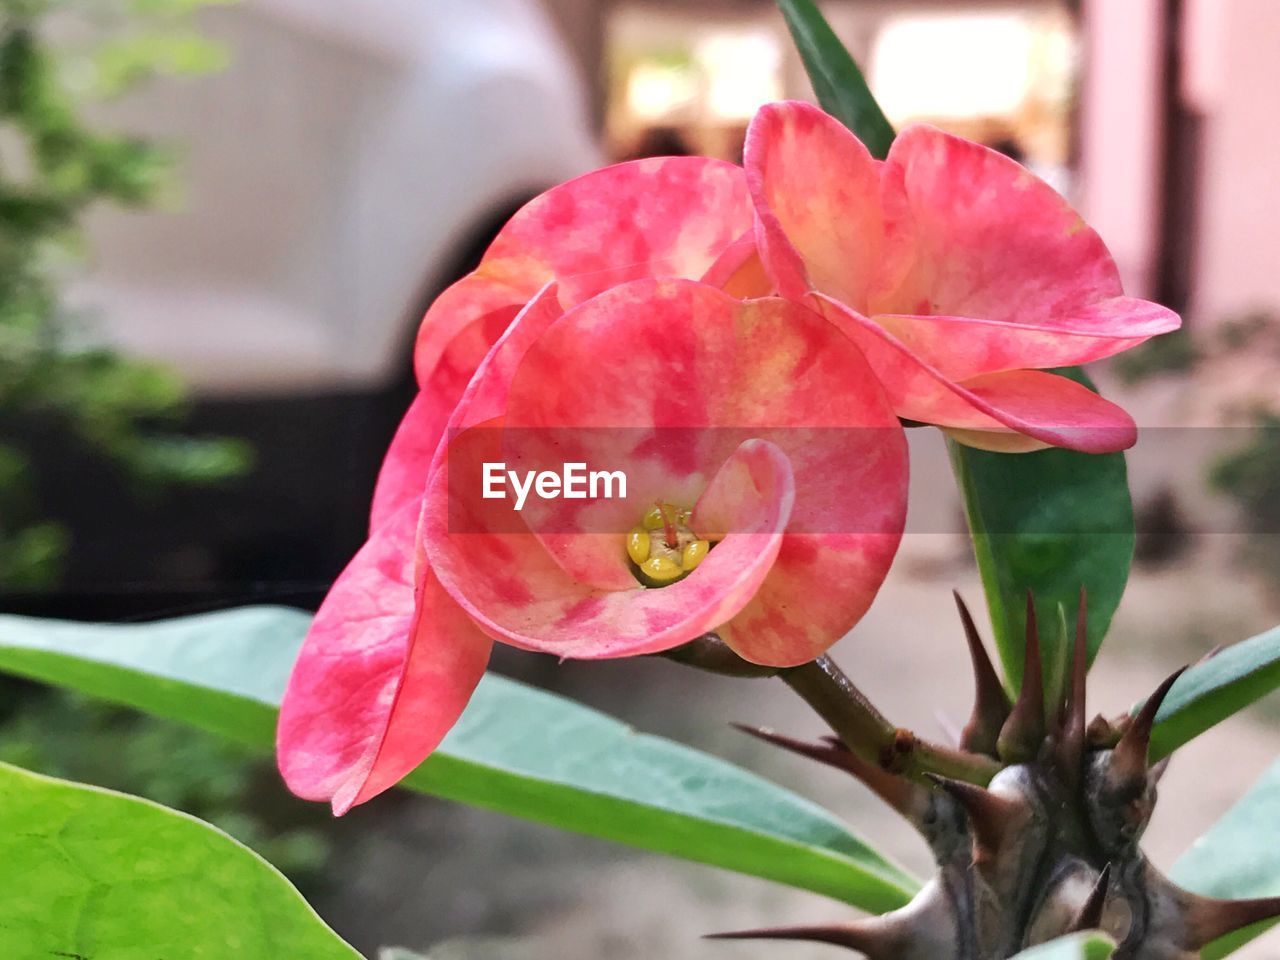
[
  {"x": 694, "y": 553},
  {"x": 664, "y": 548},
  {"x": 638, "y": 545},
  {"x": 653, "y": 518},
  {"x": 661, "y": 569}
]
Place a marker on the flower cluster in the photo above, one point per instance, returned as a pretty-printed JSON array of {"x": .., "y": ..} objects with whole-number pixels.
[{"x": 712, "y": 317}]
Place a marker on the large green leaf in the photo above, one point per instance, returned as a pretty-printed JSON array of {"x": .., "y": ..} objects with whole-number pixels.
[
  {"x": 516, "y": 749},
  {"x": 101, "y": 876},
  {"x": 1048, "y": 522},
  {"x": 1082, "y": 946},
  {"x": 1239, "y": 857},
  {"x": 839, "y": 84},
  {"x": 1213, "y": 690}
]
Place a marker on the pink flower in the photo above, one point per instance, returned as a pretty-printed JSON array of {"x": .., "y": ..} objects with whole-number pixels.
[
  {"x": 960, "y": 274},
  {"x": 607, "y": 319}
]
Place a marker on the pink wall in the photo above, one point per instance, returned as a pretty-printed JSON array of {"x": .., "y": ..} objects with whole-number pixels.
[
  {"x": 1121, "y": 131},
  {"x": 1233, "y": 56},
  {"x": 1231, "y": 77}
]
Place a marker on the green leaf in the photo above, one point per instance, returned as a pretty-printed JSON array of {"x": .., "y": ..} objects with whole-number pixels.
[
  {"x": 1048, "y": 522},
  {"x": 1082, "y": 946},
  {"x": 1238, "y": 858},
  {"x": 1215, "y": 689},
  {"x": 95, "y": 874},
  {"x": 839, "y": 84},
  {"x": 516, "y": 749}
]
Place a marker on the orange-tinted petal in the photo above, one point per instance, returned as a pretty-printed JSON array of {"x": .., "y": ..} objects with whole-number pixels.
[{"x": 816, "y": 189}]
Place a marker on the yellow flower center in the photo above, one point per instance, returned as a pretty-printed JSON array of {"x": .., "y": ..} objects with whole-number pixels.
[{"x": 663, "y": 548}]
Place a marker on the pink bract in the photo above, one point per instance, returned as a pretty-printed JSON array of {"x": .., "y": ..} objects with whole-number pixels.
[
  {"x": 681, "y": 371},
  {"x": 613, "y": 301},
  {"x": 956, "y": 270}
]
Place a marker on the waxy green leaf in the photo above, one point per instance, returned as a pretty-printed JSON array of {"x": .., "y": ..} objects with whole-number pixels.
[
  {"x": 1216, "y": 688},
  {"x": 516, "y": 750},
  {"x": 1082, "y": 946},
  {"x": 1048, "y": 522},
  {"x": 1238, "y": 858},
  {"x": 838, "y": 83},
  {"x": 93, "y": 874}
]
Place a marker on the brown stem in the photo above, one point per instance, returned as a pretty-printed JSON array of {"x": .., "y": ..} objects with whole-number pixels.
[
  {"x": 712, "y": 654},
  {"x": 861, "y": 727},
  {"x": 866, "y": 732}
]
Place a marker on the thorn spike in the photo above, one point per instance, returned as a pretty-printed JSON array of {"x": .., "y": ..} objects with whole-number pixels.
[
  {"x": 1023, "y": 733},
  {"x": 910, "y": 800},
  {"x": 1208, "y": 919},
  {"x": 990, "y": 703},
  {"x": 990, "y": 815},
  {"x": 1127, "y": 773},
  {"x": 872, "y": 937},
  {"x": 826, "y": 752},
  {"x": 1071, "y": 745},
  {"x": 1090, "y": 915}
]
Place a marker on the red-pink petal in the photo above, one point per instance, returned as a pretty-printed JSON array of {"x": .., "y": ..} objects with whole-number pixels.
[
  {"x": 983, "y": 237},
  {"x": 1045, "y": 407},
  {"x": 512, "y": 586},
  {"x": 403, "y": 477},
  {"x": 382, "y": 677},
  {"x": 460, "y": 333},
  {"x": 816, "y": 191},
  {"x": 496, "y": 294},
  {"x": 659, "y": 217},
  {"x": 1054, "y": 409},
  {"x": 963, "y": 347},
  {"x": 663, "y": 216},
  {"x": 740, "y": 272},
  {"x": 524, "y": 596},
  {"x": 667, "y": 377}
]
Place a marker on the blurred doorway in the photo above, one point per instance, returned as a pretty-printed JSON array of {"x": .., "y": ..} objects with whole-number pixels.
[{"x": 688, "y": 76}]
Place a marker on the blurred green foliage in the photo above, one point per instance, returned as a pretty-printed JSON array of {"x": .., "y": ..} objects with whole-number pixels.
[
  {"x": 1250, "y": 475},
  {"x": 54, "y": 166},
  {"x": 1172, "y": 353},
  {"x": 65, "y": 735}
]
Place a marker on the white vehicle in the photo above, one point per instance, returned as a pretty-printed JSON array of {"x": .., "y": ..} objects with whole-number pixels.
[
  {"x": 355, "y": 157},
  {"x": 335, "y": 176}
]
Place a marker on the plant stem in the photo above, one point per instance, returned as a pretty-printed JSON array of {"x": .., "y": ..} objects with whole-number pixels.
[
  {"x": 865, "y": 731},
  {"x": 860, "y": 726},
  {"x": 713, "y": 655}
]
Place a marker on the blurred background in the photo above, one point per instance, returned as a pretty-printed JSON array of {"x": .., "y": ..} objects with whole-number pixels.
[{"x": 220, "y": 223}]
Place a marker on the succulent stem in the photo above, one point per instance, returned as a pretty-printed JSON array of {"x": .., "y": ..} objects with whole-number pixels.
[
  {"x": 1043, "y": 842},
  {"x": 866, "y": 732},
  {"x": 713, "y": 655}
]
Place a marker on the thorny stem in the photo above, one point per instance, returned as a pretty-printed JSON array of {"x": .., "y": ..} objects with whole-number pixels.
[
  {"x": 862, "y": 728},
  {"x": 865, "y": 731},
  {"x": 1049, "y": 846}
]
